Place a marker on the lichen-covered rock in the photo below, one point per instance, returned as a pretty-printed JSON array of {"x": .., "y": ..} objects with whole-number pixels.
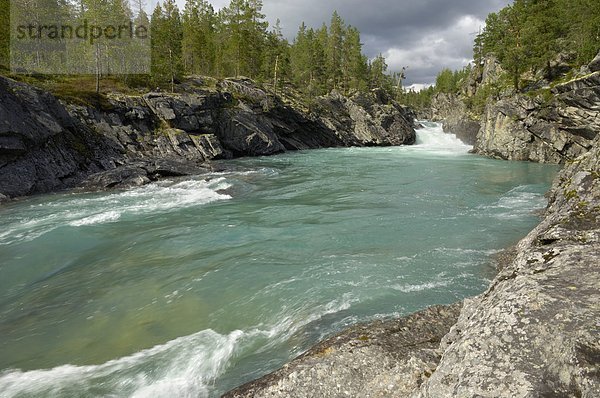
[{"x": 380, "y": 359}]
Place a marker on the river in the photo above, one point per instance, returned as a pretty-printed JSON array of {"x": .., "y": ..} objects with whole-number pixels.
[{"x": 192, "y": 286}]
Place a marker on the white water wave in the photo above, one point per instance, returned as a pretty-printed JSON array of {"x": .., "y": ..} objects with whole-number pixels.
[
  {"x": 87, "y": 210},
  {"x": 432, "y": 138},
  {"x": 517, "y": 203},
  {"x": 183, "y": 367},
  {"x": 409, "y": 288},
  {"x": 99, "y": 218}
]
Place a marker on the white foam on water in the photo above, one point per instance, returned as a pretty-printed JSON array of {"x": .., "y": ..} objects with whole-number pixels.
[
  {"x": 99, "y": 218},
  {"x": 183, "y": 367},
  {"x": 88, "y": 210},
  {"x": 517, "y": 203},
  {"x": 432, "y": 138},
  {"x": 409, "y": 288}
]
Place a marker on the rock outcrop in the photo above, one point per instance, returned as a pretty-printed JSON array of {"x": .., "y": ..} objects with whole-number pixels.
[
  {"x": 451, "y": 110},
  {"x": 382, "y": 359},
  {"x": 47, "y": 145},
  {"x": 42, "y": 147},
  {"x": 553, "y": 127},
  {"x": 524, "y": 128},
  {"x": 372, "y": 119}
]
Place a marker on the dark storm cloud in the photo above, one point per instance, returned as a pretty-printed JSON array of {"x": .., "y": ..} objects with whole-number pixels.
[{"x": 425, "y": 35}]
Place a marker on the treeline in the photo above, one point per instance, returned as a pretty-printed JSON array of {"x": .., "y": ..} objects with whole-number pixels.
[
  {"x": 529, "y": 36},
  {"x": 197, "y": 40},
  {"x": 237, "y": 41}
]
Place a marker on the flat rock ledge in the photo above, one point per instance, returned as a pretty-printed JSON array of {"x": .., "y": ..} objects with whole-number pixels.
[
  {"x": 534, "y": 333},
  {"x": 378, "y": 359}
]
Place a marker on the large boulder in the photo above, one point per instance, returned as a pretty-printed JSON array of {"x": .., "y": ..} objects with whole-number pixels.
[{"x": 371, "y": 119}]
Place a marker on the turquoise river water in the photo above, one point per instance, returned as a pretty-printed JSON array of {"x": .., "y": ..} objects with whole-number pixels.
[{"x": 190, "y": 287}]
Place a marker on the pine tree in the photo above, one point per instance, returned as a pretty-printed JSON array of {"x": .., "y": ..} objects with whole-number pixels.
[
  {"x": 335, "y": 49},
  {"x": 377, "y": 69},
  {"x": 355, "y": 66},
  {"x": 167, "y": 34},
  {"x": 276, "y": 58}
]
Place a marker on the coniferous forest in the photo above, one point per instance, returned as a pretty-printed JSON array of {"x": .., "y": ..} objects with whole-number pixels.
[
  {"x": 532, "y": 36},
  {"x": 234, "y": 41}
]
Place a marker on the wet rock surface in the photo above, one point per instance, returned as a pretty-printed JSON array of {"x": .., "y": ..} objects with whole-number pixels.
[{"x": 380, "y": 359}]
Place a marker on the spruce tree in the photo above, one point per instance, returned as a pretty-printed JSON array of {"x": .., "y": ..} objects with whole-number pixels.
[{"x": 335, "y": 50}]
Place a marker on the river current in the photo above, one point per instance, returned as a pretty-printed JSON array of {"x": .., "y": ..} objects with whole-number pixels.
[{"x": 192, "y": 286}]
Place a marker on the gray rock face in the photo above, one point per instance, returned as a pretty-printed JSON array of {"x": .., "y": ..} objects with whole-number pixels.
[
  {"x": 46, "y": 145},
  {"x": 523, "y": 128},
  {"x": 367, "y": 119},
  {"x": 42, "y": 147},
  {"x": 381, "y": 359},
  {"x": 535, "y": 331},
  {"x": 451, "y": 110}
]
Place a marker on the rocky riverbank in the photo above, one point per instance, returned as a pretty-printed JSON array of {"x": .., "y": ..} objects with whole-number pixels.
[{"x": 128, "y": 140}]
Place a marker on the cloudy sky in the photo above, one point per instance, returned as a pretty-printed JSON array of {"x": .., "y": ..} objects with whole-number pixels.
[{"x": 425, "y": 35}]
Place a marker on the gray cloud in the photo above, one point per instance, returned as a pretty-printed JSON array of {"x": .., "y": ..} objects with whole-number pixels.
[{"x": 425, "y": 35}]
